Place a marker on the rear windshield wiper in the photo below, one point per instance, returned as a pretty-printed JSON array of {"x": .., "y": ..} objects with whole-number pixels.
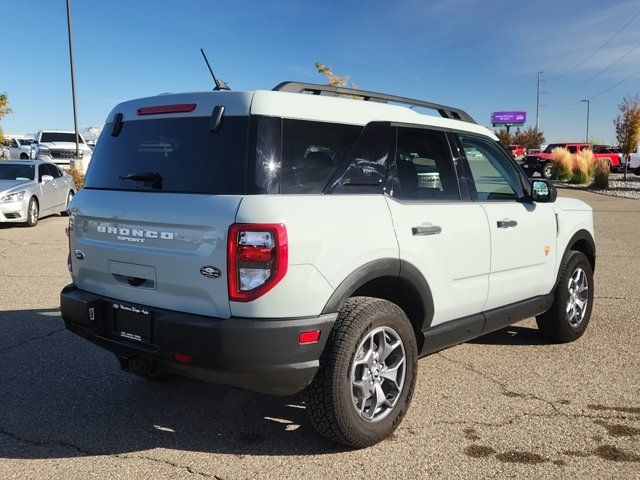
[{"x": 151, "y": 177}]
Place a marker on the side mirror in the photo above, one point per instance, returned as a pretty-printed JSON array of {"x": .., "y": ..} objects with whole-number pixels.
[
  {"x": 47, "y": 178},
  {"x": 543, "y": 191}
]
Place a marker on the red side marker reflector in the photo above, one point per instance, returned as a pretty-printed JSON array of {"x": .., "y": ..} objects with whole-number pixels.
[
  {"x": 309, "y": 337},
  {"x": 175, "y": 108},
  {"x": 183, "y": 357}
]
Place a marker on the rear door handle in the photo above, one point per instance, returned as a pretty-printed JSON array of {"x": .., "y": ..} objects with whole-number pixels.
[
  {"x": 506, "y": 223},
  {"x": 426, "y": 230}
]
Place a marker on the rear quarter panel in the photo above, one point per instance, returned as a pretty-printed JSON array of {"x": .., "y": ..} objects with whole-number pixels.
[{"x": 330, "y": 236}]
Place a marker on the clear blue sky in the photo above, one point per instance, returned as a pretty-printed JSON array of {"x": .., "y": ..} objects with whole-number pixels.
[{"x": 479, "y": 55}]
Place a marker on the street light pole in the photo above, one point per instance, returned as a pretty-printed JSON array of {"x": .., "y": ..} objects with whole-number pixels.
[
  {"x": 73, "y": 80},
  {"x": 588, "y": 105},
  {"x": 538, "y": 101}
]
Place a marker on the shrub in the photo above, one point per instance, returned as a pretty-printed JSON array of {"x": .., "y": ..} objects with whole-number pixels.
[
  {"x": 78, "y": 177},
  {"x": 564, "y": 163},
  {"x": 582, "y": 171},
  {"x": 601, "y": 172}
]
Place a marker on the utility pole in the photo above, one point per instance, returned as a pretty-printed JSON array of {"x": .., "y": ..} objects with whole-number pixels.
[
  {"x": 73, "y": 80},
  {"x": 586, "y": 140},
  {"x": 538, "y": 101}
]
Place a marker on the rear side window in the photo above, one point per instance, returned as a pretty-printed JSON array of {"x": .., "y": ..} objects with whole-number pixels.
[
  {"x": 424, "y": 166},
  {"x": 312, "y": 152},
  {"x": 175, "y": 155}
]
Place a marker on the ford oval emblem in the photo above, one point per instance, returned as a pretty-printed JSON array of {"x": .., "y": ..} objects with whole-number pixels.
[
  {"x": 210, "y": 271},
  {"x": 79, "y": 254}
]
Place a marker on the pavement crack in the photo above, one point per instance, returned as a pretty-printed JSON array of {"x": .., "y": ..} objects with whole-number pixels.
[
  {"x": 503, "y": 386},
  {"x": 85, "y": 452},
  {"x": 17, "y": 345}
]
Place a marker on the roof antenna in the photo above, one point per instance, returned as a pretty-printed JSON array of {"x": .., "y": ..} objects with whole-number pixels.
[{"x": 220, "y": 85}]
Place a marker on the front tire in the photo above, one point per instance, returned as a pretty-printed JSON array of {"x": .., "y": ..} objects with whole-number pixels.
[
  {"x": 548, "y": 170},
  {"x": 367, "y": 374},
  {"x": 569, "y": 315},
  {"x": 33, "y": 212},
  {"x": 24, "y": 156}
]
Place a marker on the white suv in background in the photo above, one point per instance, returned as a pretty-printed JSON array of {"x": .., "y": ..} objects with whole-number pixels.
[
  {"x": 315, "y": 239},
  {"x": 19, "y": 147},
  {"x": 59, "y": 147}
]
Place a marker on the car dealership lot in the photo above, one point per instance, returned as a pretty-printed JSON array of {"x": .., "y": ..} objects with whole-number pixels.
[{"x": 507, "y": 404}]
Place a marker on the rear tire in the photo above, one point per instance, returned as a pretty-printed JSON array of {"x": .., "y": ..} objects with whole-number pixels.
[
  {"x": 362, "y": 390},
  {"x": 569, "y": 315},
  {"x": 548, "y": 170},
  {"x": 24, "y": 156}
]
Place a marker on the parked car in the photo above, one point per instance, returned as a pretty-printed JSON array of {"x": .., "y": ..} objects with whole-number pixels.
[
  {"x": 280, "y": 242},
  {"x": 541, "y": 162},
  {"x": 20, "y": 148},
  {"x": 32, "y": 189},
  {"x": 517, "y": 151},
  {"x": 59, "y": 147},
  {"x": 633, "y": 162}
]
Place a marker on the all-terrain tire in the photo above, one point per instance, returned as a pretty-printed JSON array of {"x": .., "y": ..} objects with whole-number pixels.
[
  {"x": 330, "y": 404},
  {"x": 556, "y": 323}
]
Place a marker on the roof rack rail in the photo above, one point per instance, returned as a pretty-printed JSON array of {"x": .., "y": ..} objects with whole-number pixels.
[{"x": 315, "y": 89}]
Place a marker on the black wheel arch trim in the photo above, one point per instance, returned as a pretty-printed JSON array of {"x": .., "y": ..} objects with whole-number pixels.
[
  {"x": 583, "y": 235},
  {"x": 384, "y": 267}
]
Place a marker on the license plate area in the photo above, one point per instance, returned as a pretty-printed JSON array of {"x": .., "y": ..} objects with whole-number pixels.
[{"x": 132, "y": 323}]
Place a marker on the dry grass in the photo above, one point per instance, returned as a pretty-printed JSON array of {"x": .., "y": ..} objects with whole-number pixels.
[
  {"x": 564, "y": 163},
  {"x": 601, "y": 172},
  {"x": 78, "y": 177},
  {"x": 582, "y": 171}
]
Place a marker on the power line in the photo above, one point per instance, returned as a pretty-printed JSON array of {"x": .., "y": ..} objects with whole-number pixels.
[
  {"x": 601, "y": 71},
  {"x": 601, "y": 48},
  {"x": 615, "y": 85}
]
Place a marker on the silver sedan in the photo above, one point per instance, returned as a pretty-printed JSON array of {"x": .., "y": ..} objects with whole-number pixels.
[{"x": 30, "y": 189}]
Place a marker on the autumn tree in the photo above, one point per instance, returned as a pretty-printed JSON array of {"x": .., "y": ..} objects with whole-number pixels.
[
  {"x": 505, "y": 137},
  {"x": 627, "y": 125},
  {"x": 333, "y": 79},
  {"x": 529, "y": 138},
  {"x": 4, "y": 110}
]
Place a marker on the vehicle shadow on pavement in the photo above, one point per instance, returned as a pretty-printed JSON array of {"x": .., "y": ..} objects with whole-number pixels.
[
  {"x": 64, "y": 397},
  {"x": 513, "y": 335}
]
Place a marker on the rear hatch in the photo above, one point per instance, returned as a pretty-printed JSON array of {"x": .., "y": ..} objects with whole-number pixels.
[{"x": 150, "y": 226}]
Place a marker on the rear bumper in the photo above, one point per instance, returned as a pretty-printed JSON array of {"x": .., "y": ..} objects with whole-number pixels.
[{"x": 257, "y": 354}]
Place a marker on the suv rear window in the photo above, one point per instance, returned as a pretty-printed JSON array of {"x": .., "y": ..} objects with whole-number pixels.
[{"x": 186, "y": 155}]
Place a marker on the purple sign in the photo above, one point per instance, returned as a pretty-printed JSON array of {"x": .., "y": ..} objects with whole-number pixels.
[{"x": 508, "y": 118}]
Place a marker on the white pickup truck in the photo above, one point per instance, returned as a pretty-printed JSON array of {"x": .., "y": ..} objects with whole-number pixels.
[{"x": 633, "y": 161}]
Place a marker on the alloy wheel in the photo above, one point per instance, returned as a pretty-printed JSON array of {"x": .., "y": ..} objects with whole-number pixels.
[
  {"x": 378, "y": 373},
  {"x": 578, "y": 297},
  {"x": 33, "y": 212}
]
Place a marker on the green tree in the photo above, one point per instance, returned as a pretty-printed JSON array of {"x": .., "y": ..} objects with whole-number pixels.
[
  {"x": 505, "y": 137},
  {"x": 627, "y": 125},
  {"x": 4, "y": 110},
  {"x": 530, "y": 137}
]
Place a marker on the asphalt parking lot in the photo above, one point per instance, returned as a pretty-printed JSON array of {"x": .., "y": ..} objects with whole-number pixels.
[{"x": 507, "y": 405}]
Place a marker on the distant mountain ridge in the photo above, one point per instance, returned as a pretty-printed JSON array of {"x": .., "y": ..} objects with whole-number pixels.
[{"x": 90, "y": 133}]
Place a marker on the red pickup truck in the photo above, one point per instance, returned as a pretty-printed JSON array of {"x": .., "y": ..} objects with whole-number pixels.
[
  {"x": 517, "y": 151},
  {"x": 541, "y": 162}
]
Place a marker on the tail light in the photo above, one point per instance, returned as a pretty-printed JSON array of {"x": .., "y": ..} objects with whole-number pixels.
[{"x": 257, "y": 259}]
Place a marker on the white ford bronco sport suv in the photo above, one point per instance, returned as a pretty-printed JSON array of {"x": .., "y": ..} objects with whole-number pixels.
[{"x": 314, "y": 238}]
